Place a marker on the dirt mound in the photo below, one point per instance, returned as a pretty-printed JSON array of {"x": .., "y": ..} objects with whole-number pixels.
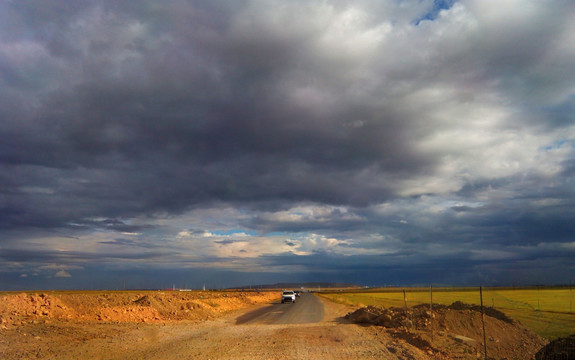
[
  {"x": 457, "y": 330},
  {"x": 125, "y": 306},
  {"x": 16, "y": 309},
  {"x": 39, "y": 325},
  {"x": 489, "y": 311},
  {"x": 560, "y": 349}
]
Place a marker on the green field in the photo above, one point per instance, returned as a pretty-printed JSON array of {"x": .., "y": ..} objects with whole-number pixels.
[{"x": 549, "y": 312}]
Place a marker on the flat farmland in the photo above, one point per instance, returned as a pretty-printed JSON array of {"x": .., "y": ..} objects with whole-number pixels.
[{"x": 549, "y": 312}]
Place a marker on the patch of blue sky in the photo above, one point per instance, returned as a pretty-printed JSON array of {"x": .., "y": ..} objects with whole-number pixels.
[
  {"x": 433, "y": 13},
  {"x": 559, "y": 144},
  {"x": 232, "y": 232}
]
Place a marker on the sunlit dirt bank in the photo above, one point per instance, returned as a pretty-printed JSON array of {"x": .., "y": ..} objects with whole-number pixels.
[
  {"x": 127, "y": 306},
  {"x": 34, "y": 324}
]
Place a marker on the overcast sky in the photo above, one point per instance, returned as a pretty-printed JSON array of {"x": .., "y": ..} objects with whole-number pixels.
[{"x": 228, "y": 143}]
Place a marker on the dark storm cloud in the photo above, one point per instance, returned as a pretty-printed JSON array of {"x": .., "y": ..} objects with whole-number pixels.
[
  {"x": 406, "y": 129},
  {"x": 384, "y": 270},
  {"x": 178, "y": 108},
  {"x": 194, "y": 113},
  {"x": 79, "y": 258},
  {"x": 132, "y": 243}
]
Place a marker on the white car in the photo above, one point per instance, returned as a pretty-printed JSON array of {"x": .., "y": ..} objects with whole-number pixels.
[{"x": 288, "y": 296}]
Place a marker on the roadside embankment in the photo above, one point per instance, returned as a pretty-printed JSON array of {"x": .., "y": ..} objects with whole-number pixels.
[{"x": 123, "y": 306}]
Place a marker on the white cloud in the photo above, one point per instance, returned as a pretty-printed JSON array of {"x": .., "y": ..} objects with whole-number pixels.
[
  {"x": 62, "y": 274},
  {"x": 310, "y": 214}
]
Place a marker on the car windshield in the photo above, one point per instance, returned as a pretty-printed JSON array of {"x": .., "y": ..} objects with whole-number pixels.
[{"x": 288, "y": 292}]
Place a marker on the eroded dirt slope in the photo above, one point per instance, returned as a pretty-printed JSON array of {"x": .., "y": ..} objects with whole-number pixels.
[{"x": 457, "y": 330}]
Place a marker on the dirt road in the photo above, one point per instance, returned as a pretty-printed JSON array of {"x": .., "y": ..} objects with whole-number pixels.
[{"x": 310, "y": 329}]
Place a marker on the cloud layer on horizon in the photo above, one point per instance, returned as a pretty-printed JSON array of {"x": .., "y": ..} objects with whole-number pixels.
[{"x": 312, "y": 137}]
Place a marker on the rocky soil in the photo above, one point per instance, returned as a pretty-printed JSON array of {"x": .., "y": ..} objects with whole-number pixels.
[
  {"x": 559, "y": 349},
  {"x": 455, "y": 331},
  {"x": 41, "y": 325}
]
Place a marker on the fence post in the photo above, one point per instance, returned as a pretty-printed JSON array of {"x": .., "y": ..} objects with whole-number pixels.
[
  {"x": 431, "y": 309},
  {"x": 483, "y": 322},
  {"x": 404, "y": 301},
  {"x": 407, "y": 312},
  {"x": 570, "y": 298}
]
